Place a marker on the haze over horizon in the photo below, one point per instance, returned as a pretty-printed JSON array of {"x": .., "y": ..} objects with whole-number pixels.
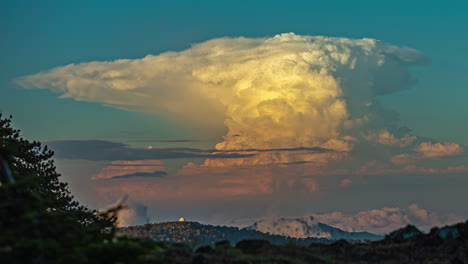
[{"x": 225, "y": 113}]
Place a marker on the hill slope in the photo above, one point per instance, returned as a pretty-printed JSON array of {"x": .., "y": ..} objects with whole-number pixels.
[
  {"x": 196, "y": 234},
  {"x": 406, "y": 245}
]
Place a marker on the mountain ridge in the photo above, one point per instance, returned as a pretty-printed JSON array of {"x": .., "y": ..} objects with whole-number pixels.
[
  {"x": 445, "y": 245},
  {"x": 308, "y": 226},
  {"x": 196, "y": 234}
]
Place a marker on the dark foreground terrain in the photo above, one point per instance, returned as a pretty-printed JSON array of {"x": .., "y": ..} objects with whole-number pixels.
[{"x": 406, "y": 245}]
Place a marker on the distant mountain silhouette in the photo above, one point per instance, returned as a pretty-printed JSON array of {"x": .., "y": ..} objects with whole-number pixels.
[{"x": 305, "y": 227}]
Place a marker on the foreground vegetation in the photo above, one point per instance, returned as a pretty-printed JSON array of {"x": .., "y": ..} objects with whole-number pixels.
[
  {"x": 41, "y": 223},
  {"x": 406, "y": 245}
]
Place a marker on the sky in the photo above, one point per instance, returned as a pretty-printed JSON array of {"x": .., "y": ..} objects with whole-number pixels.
[{"x": 220, "y": 111}]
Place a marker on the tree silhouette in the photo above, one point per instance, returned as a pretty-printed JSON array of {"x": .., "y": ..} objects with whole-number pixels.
[{"x": 40, "y": 222}]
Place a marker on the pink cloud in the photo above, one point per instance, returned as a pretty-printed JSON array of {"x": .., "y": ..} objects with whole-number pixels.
[
  {"x": 345, "y": 182},
  {"x": 437, "y": 150},
  {"x": 386, "y": 138}
]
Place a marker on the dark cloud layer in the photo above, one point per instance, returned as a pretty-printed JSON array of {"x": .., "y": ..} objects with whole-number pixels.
[
  {"x": 142, "y": 174},
  {"x": 106, "y": 150},
  {"x": 166, "y": 141}
]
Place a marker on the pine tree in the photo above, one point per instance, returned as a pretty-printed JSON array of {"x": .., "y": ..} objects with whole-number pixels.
[
  {"x": 30, "y": 159},
  {"x": 40, "y": 222}
]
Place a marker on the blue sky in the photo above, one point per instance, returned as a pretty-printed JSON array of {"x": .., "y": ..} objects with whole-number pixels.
[{"x": 36, "y": 36}]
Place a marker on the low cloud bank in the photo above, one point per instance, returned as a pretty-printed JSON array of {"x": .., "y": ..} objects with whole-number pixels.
[
  {"x": 377, "y": 221},
  {"x": 385, "y": 220}
]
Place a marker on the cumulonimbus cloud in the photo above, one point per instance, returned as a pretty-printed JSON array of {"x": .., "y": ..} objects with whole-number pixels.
[
  {"x": 290, "y": 104},
  {"x": 287, "y": 91}
]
